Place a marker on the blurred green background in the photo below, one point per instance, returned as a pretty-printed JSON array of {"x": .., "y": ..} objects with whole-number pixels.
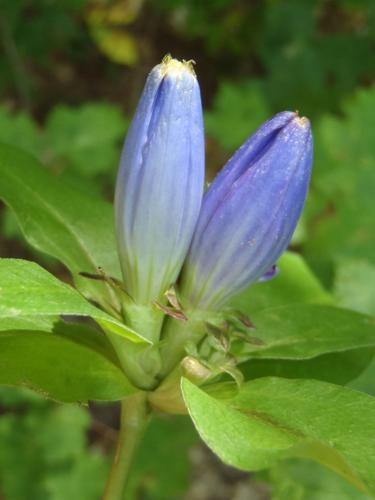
[{"x": 71, "y": 72}]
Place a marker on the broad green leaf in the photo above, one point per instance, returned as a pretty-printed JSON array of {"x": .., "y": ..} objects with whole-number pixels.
[
  {"x": 307, "y": 330},
  {"x": 294, "y": 284},
  {"x": 273, "y": 418},
  {"x": 60, "y": 365},
  {"x": 27, "y": 290},
  {"x": 61, "y": 220},
  {"x": 336, "y": 367}
]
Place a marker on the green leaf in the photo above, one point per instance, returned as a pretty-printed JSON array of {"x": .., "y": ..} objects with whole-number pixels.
[
  {"x": 27, "y": 290},
  {"x": 293, "y": 285},
  {"x": 62, "y": 364},
  {"x": 274, "y": 418},
  {"x": 304, "y": 331},
  {"x": 336, "y": 367},
  {"x": 20, "y": 130},
  {"x": 61, "y": 220}
]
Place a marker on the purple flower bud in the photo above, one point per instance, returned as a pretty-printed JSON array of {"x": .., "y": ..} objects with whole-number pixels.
[
  {"x": 160, "y": 182},
  {"x": 249, "y": 212}
]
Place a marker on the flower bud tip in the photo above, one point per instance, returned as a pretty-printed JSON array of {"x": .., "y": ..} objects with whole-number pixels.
[
  {"x": 302, "y": 121},
  {"x": 171, "y": 65}
]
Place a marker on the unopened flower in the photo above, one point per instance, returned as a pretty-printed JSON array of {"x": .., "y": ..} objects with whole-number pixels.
[
  {"x": 160, "y": 182},
  {"x": 249, "y": 212}
]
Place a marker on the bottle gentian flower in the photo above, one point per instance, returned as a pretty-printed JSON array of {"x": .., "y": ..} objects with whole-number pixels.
[
  {"x": 249, "y": 213},
  {"x": 160, "y": 182}
]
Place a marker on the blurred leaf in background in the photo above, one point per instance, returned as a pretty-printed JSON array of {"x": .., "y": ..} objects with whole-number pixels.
[
  {"x": 305, "y": 480},
  {"x": 307, "y": 48},
  {"x": 163, "y": 467},
  {"x": 237, "y": 111},
  {"x": 109, "y": 22},
  {"x": 341, "y": 209},
  {"x": 86, "y": 138},
  {"x": 32, "y": 33},
  {"x": 309, "y": 54},
  {"x": 194, "y": 19},
  {"x": 355, "y": 284},
  {"x": 44, "y": 453},
  {"x": 20, "y": 129},
  {"x": 354, "y": 288}
]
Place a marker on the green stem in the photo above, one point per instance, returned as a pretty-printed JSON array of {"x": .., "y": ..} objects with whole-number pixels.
[
  {"x": 140, "y": 362},
  {"x": 177, "y": 335},
  {"x": 134, "y": 416},
  {"x": 173, "y": 349}
]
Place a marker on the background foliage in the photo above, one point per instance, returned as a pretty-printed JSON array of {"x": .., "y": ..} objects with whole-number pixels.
[{"x": 70, "y": 75}]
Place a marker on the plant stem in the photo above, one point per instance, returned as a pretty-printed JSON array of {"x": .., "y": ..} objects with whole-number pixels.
[
  {"x": 175, "y": 338},
  {"x": 140, "y": 362},
  {"x": 134, "y": 417}
]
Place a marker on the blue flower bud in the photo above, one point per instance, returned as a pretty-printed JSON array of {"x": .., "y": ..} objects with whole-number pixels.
[
  {"x": 160, "y": 182},
  {"x": 249, "y": 212}
]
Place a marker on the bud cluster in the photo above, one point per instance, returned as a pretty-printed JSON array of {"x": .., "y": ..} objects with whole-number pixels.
[{"x": 207, "y": 246}]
